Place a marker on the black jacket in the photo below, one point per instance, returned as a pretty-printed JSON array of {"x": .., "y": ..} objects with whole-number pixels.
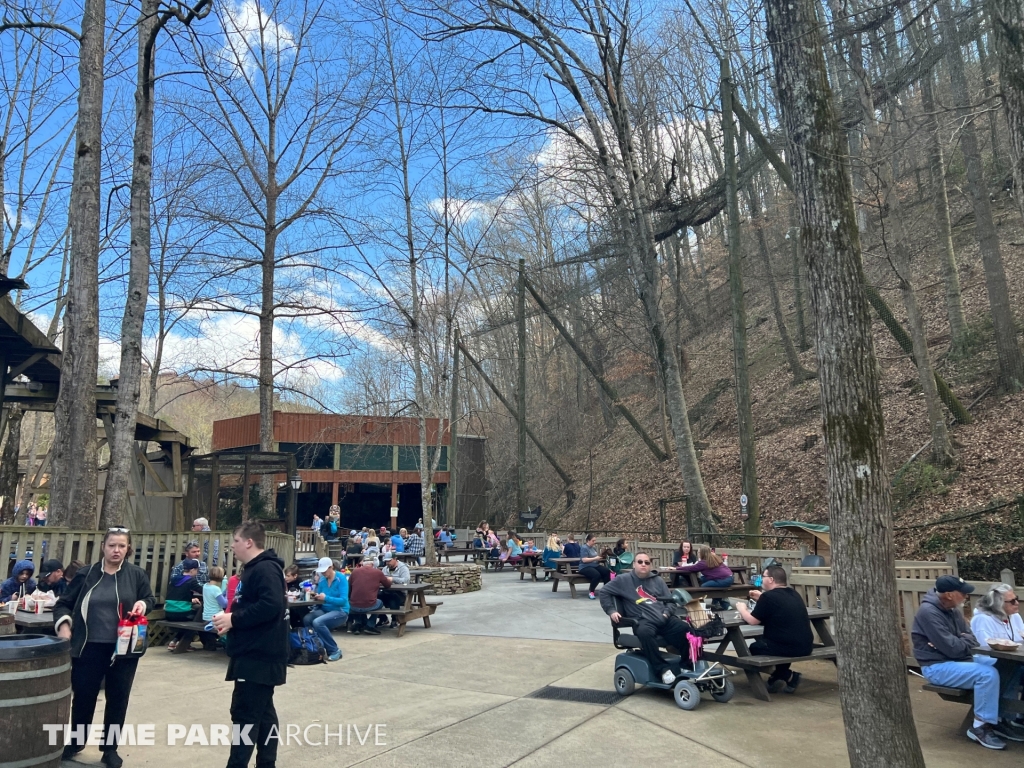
[
  {"x": 131, "y": 583},
  {"x": 258, "y": 640}
]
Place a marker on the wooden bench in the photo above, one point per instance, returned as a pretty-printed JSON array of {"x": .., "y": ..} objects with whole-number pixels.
[
  {"x": 530, "y": 569},
  {"x": 191, "y": 628},
  {"x": 571, "y": 578},
  {"x": 760, "y": 662},
  {"x": 958, "y": 695},
  {"x": 404, "y": 615}
]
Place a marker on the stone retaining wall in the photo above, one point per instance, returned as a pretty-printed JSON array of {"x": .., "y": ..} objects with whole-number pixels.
[{"x": 452, "y": 579}]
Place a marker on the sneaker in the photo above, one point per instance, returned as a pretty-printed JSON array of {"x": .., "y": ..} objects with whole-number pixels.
[
  {"x": 336, "y": 656},
  {"x": 357, "y": 629},
  {"x": 111, "y": 759},
  {"x": 371, "y": 630},
  {"x": 668, "y": 677},
  {"x": 986, "y": 737},
  {"x": 794, "y": 681},
  {"x": 1003, "y": 731},
  {"x": 1017, "y": 722},
  {"x": 593, "y": 596},
  {"x": 776, "y": 686}
]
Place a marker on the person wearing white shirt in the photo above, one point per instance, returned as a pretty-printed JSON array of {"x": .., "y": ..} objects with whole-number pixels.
[{"x": 997, "y": 617}]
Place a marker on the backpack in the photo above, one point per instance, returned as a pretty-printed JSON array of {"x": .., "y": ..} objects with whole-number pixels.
[
  {"x": 305, "y": 648},
  {"x": 333, "y": 528}
]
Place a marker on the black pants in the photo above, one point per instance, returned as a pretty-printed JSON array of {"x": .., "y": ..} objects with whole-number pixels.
[
  {"x": 672, "y": 630},
  {"x": 597, "y": 574},
  {"x": 762, "y": 647},
  {"x": 254, "y": 703},
  {"x": 392, "y": 598},
  {"x": 88, "y": 672}
]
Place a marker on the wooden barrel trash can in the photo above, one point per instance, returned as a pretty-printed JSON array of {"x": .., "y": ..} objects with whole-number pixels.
[
  {"x": 7, "y": 626},
  {"x": 35, "y": 689}
]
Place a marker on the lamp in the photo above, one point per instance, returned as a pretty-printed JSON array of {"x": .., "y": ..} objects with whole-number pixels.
[{"x": 295, "y": 480}]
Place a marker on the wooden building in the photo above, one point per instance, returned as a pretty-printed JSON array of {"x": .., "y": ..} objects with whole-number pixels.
[{"x": 369, "y": 466}]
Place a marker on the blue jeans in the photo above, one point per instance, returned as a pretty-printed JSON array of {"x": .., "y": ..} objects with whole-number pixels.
[
  {"x": 969, "y": 674},
  {"x": 727, "y": 582},
  {"x": 322, "y": 622},
  {"x": 360, "y": 614}
]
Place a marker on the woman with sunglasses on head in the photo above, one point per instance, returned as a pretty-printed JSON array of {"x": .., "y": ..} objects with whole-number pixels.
[
  {"x": 997, "y": 617},
  {"x": 87, "y": 614}
]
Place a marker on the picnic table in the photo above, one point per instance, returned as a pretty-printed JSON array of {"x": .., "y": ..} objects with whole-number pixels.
[
  {"x": 1006, "y": 665},
  {"x": 529, "y": 565},
  {"x": 466, "y": 552},
  {"x": 690, "y": 580},
  {"x": 414, "y": 607},
  {"x": 406, "y": 557},
  {"x": 417, "y": 574},
  {"x": 737, "y": 632},
  {"x": 29, "y": 621},
  {"x": 567, "y": 570}
]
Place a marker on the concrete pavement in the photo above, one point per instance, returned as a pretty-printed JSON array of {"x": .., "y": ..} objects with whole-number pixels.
[{"x": 459, "y": 694}]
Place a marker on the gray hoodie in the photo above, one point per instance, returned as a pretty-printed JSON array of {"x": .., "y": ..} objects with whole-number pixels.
[
  {"x": 940, "y": 635},
  {"x": 638, "y": 598}
]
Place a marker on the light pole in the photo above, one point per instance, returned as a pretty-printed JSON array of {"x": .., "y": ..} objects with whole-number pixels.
[{"x": 294, "y": 482}]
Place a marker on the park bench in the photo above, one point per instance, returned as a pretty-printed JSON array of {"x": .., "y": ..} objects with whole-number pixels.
[
  {"x": 956, "y": 695},
  {"x": 404, "y": 615}
]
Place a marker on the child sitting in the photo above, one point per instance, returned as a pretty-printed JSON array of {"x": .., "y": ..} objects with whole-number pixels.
[{"x": 214, "y": 600}]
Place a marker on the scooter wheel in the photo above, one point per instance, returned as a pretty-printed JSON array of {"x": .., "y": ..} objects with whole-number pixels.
[
  {"x": 687, "y": 695},
  {"x": 724, "y": 693},
  {"x": 625, "y": 683}
]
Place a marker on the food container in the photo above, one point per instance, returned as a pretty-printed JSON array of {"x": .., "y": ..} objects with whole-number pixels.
[{"x": 1003, "y": 645}]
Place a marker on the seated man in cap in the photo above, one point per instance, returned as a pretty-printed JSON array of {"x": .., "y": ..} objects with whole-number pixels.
[
  {"x": 51, "y": 578},
  {"x": 398, "y": 572},
  {"x": 414, "y": 545},
  {"x": 332, "y": 592},
  {"x": 942, "y": 646}
]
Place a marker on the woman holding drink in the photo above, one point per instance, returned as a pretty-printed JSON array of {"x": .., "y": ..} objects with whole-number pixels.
[{"x": 88, "y": 614}]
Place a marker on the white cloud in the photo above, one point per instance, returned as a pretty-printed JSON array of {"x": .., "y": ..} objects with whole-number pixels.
[
  {"x": 251, "y": 35},
  {"x": 462, "y": 211}
]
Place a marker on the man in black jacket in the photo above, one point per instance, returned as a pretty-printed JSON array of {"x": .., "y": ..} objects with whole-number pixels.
[{"x": 257, "y": 645}]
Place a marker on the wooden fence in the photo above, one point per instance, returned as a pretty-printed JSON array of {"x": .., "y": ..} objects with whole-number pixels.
[
  {"x": 309, "y": 543},
  {"x": 156, "y": 552}
]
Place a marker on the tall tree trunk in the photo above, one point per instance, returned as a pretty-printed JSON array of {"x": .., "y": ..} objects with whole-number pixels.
[
  {"x": 122, "y": 449},
  {"x": 73, "y": 494},
  {"x": 744, "y": 411},
  {"x": 940, "y": 198},
  {"x": 1011, "y": 363},
  {"x": 9, "y": 465},
  {"x": 873, "y": 692},
  {"x": 30, "y": 461},
  {"x": 268, "y": 491},
  {"x": 1008, "y": 40},
  {"x": 798, "y": 285}
]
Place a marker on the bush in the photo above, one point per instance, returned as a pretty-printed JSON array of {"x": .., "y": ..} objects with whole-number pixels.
[{"x": 918, "y": 480}]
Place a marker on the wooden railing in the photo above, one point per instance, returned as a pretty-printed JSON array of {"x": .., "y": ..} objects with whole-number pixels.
[
  {"x": 156, "y": 553},
  {"x": 310, "y": 544}
]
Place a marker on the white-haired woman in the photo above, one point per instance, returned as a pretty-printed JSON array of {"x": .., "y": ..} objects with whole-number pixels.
[{"x": 997, "y": 617}]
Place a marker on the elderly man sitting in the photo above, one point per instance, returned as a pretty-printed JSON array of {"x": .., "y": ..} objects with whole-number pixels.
[{"x": 942, "y": 646}]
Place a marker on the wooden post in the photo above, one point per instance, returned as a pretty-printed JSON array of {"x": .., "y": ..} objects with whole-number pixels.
[
  {"x": 245, "y": 489},
  {"x": 521, "y": 502},
  {"x": 662, "y": 504},
  {"x": 177, "y": 486},
  {"x": 453, "y": 437},
  {"x": 214, "y": 489},
  {"x": 951, "y": 559},
  {"x": 744, "y": 412},
  {"x": 334, "y": 493},
  {"x": 191, "y": 505}
]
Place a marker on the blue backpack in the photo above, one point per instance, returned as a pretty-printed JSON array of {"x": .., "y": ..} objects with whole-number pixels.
[{"x": 305, "y": 648}]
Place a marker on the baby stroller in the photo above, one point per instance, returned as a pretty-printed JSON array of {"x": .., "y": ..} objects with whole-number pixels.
[{"x": 698, "y": 675}]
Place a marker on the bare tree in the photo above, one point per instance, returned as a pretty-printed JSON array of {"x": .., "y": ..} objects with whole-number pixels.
[
  {"x": 122, "y": 446},
  {"x": 873, "y": 693},
  {"x": 1008, "y": 39}
]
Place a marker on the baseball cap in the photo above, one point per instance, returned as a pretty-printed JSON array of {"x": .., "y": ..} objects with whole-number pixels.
[
  {"x": 952, "y": 584},
  {"x": 323, "y": 564},
  {"x": 392, "y": 555},
  {"x": 352, "y": 533},
  {"x": 189, "y": 564},
  {"x": 51, "y": 566}
]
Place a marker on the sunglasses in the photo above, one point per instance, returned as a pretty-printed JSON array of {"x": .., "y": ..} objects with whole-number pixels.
[
  {"x": 1015, "y": 601},
  {"x": 643, "y": 562},
  {"x": 117, "y": 529}
]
